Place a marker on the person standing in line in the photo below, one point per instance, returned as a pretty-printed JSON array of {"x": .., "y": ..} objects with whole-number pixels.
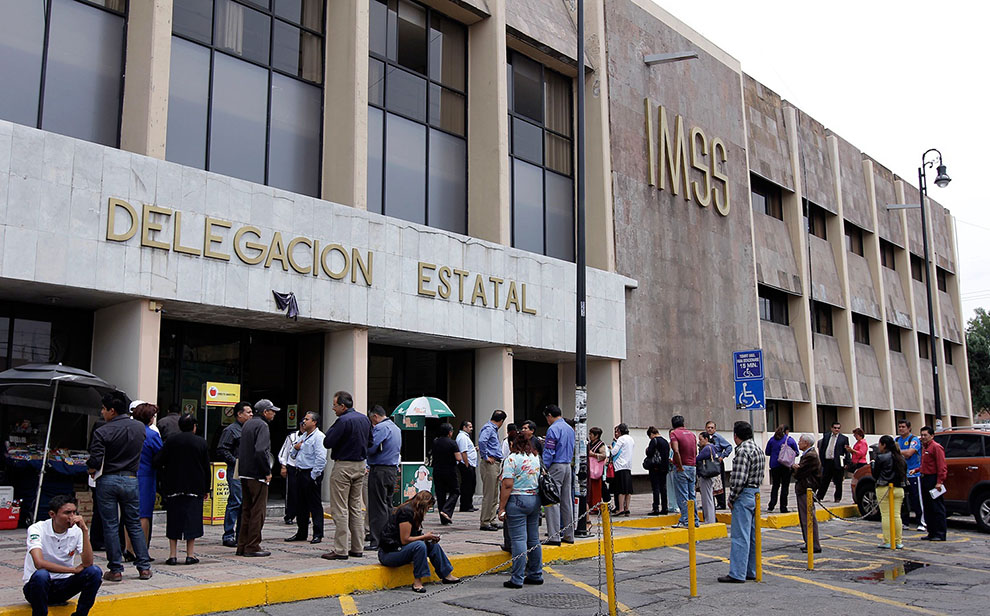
[
  {"x": 832, "y": 447},
  {"x": 310, "y": 458},
  {"x": 622, "y": 456},
  {"x": 491, "y": 468},
  {"x": 185, "y": 464},
  {"x": 910, "y": 446},
  {"x": 722, "y": 449},
  {"x": 705, "y": 488},
  {"x": 348, "y": 439},
  {"x": 254, "y": 468},
  {"x": 446, "y": 457},
  {"x": 597, "y": 456},
  {"x": 685, "y": 448},
  {"x": 558, "y": 452},
  {"x": 519, "y": 508},
  {"x": 147, "y": 476},
  {"x": 748, "y": 468},
  {"x": 807, "y": 474},
  {"x": 933, "y": 473},
  {"x": 466, "y": 467},
  {"x": 290, "y": 474},
  {"x": 510, "y": 431},
  {"x": 115, "y": 455},
  {"x": 229, "y": 448},
  {"x": 890, "y": 472},
  {"x": 50, "y": 573},
  {"x": 168, "y": 425},
  {"x": 658, "y": 448},
  {"x": 780, "y": 473},
  {"x": 528, "y": 429},
  {"x": 383, "y": 471}
]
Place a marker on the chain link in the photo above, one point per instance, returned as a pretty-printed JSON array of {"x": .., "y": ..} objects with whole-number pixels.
[{"x": 875, "y": 509}]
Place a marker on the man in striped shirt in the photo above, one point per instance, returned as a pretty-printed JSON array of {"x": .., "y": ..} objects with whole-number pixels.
[{"x": 748, "y": 467}]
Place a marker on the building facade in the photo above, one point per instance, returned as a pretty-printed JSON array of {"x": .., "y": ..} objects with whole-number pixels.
[{"x": 406, "y": 169}]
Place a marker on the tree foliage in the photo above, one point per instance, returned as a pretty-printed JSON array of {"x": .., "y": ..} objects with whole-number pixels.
[{"x": 978, "y": 349}]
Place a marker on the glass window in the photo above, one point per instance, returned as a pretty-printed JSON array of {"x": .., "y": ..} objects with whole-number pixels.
[
  {"x": 237, "y": 122},
  {"x": 242, "y": 31},
  {"x": 4, "y": 346},
  {"x": 887, "y": 254},
  {"x": 294, "y": 162},
  {"x": 527, "y": 141},
  {"x": 527, "y": 206},
  {"x": 947, "y": 351},
  {"x": 964, "y": 446},
  {"x": 867, "y": 420},
  {"x": 560, "y": 216},
  {"x": 405, "y": 93},
  {"x": 766, "y": 197},
  {"x": 527, "y": 87},
  {"x": 822, "y": 317},
  {"x": 306, "y": 13},
  {"x": 22, "y": 41},
  {"x": 447, "y": 181},
  {"x": 815, "y": 220},
  {"x": 447, "y": 109},
  {"x": 377, "y": 28},
  {"x": 861, "y": 328},
  {"x": 917, "y": 268},
  {"x": 297, "y": 52},
  {"x": 376, "y": 130},
  {"x": 447, "y": 57},
  {"x": 827, "y": 416},
  {"x": 941, "y": 279},
  {"x": 924, "y": 346},
  {"x": 376, "y": 82},
  {"x": 854, "y": 239},
  {"x": 411, "y": 31},
  {"x": 31, "y": 342},
  {"x": 405, "y": 169},
  {"x": 193, "y": 18},
  {"x": 893, "y": 338},
  {"x": 188, "y": 93},
  {"x": 779, "y": 413},
  {"x": 773, "y": 305}
]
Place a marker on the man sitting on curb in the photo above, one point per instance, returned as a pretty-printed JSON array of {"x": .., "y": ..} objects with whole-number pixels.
[{"x": 50, "y": 572}]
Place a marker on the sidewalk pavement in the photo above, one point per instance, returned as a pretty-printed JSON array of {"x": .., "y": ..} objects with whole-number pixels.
[{"x": 295, "y": 571}]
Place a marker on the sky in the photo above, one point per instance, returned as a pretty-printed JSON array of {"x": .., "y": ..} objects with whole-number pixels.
[{"x": 892, "y": 78}]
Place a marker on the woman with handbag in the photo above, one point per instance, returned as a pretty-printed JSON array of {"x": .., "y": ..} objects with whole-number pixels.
[
  {"x": 657, "y": 462},
  {"x": 597, "y": 455},
  {"x": 706, "y": 459},
  {"x": 519, "y": 508},
  {"x": 781, "y": 451}
]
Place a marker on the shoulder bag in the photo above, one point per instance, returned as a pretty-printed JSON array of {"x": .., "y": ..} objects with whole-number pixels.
[
  {"x": 548, "y": 488},
  {"x": 709, "y": 468},
  {"x": 786, "y": 456},
  {"x": 596, "y": 467}
]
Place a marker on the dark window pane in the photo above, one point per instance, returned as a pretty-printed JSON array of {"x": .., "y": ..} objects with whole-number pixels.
[
  {"x": 405, "y": 93},
  {"x": 261, "y": 4},
  {"x": 242, "y": 31},
  {"x": 405, "y": 169},
  {"x": 297, "y": 52},
  {"x": 188, "y": 95},
  {"x": 964, "y": 446},
  {"x": 412, "y": 36},
  {"x": 447, "y": 51},
  {"x": 448, "y": 182},
  {"x": 22, "y": 37},
  {"x": 377, "y": 27},
  {"x": 446, "y": 109},
  {"x": 306, "y": 13},
  {"x": 294, "y": 154},
  {"x": 560, "y": 216},
  {"x": 375, "y": 137},
  {"x": 237, "y": 130},
  {"x": 4, "y": 333},
  {"x": 527, "y": 141},
  {"x": 391, "y": 25},
  {"x": 113, "y": 5},
  {"x": 82, "y": 81},
  {"x": 31, "y": 343},
  {"x": 558, "y": 153},
  {"x": 527, "y": 87},
  {"x": 558, "y": 103},
  {"x": 527, "y": 206},
  {"x": 193, "y": 18},
  {"x": 376, "y": 82}
]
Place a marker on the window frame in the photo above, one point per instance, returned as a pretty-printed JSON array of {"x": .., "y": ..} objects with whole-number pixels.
[
  {"x": 924, "y": 346},
  {"x": 894, "y": 333},
  {"x": 816, "y": 220},
  {"x": 888, "y": 255},
  {"x": 941, "y": 279},
  {"x": 821, "y": 319},
  {"x": 771, "y": 194},
  {"x": 861, "y": 328},
  {"x": 854, "y": 239},
  {"x": 917, "y": 268},
  {"x": 947, "y": 352},
  {"x": 776, "y": 305}
]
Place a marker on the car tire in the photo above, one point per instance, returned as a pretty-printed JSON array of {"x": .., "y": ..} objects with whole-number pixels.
[
  {"x": 981, "y": 510},
  {"x": 866, "y": 499}
]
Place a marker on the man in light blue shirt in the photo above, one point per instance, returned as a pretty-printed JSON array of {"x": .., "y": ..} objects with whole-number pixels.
[
  {"x": 722, "y": 450},
  {"x": 558, "y": 451},
  {"x": 310, "y": 457},
  {"x": 910, "y": 446},
  {"x": 490, "y": 451},
  {"x": 383, "y": 469}
]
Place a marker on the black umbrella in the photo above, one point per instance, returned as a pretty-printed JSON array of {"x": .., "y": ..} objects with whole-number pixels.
[{"x": 41, "y": 385}]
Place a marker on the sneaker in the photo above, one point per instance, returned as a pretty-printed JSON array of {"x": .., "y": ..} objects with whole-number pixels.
[
  {"x": 884, "y": 546},
  {"x": 922, "y": 528},
  {"x": 900, "y": 546},
  {"x": 679, "y": 525}
]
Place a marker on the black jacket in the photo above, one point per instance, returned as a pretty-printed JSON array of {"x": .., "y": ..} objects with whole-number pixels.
[
  {"x": 230, "y": 443},
  {"x": 659, "y": 444},
  {"x": 116, "y": 446},
  {"x": 254, "y": 456},
  {"x": 807, "y": 473},
  {"x": 841, "y": 456},
  {"x": 884, "y": 472},
  {"x": 184, "y": 461}
]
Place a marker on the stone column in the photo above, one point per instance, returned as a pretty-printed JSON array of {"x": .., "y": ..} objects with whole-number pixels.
[
  {"x": 492, "y": 385},
  {"x": 345, "y": 368},
  {"x": 144, "y": 119},
  {"x": 125, "y": 347}
]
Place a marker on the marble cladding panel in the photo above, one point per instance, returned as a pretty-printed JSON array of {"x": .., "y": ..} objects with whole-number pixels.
[
  {"x": 957, "y": 398},
  {"x": 831, "y": 385},
  {"x": 547, "y": 24},
  {"x": 920, "y": 305},
  {"x": 869, "y": 382},
  {"x": 927, "y": 388},
  {"x": 775, "y": 262},
  {"x": 855, "y": 199},
  {"x": 863, "y": 298},
  {"x": 816, "y": 163},
  {"x": 53, "y": 229},
  {"x": 942, "y": 237},
  {"x": 950, "y": 324},
  {"x": 898, "y": 311},
  {"x": 783, "y": 368},
  {"x": 888, "y": 221},
  {"x": 767, "y": 140},
  {"x": 824, "y": 273},
  {"x": 905, "y": 392}
]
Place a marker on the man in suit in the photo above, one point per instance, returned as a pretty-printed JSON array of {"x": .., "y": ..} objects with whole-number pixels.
[
  {"x": 807, "y": 475},
  {"x": 832, "y": 451}
]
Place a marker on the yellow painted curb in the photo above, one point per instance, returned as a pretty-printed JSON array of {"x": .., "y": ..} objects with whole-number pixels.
[
  {"x": 784, "y": 520},
  {"x": 205, "y": 598},
  {"x": 651, "y": 522}
]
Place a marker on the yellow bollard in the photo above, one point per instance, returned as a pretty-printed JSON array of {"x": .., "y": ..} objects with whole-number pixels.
[
  {"x": 609, "y": 559},
  {"x": 890, "y": 509},
  {"x": 810, "y": 543},
  {"x": 692, "y": 555},
  {"x": 759, "y": 540}
]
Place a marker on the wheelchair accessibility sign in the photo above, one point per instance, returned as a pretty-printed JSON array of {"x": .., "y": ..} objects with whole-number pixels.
[
  {"x": 750, "y": 392},
  {"x": 750, "y": 395}
]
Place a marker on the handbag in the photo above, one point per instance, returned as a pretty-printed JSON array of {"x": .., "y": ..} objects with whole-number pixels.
[
  {"x": 596, "y": 467},
  {"x": 786, "y": 456},
  {"x": 610, "y": 471},
  {"x": 548, "y": 488},
  {"x": 709, "y": 468}
]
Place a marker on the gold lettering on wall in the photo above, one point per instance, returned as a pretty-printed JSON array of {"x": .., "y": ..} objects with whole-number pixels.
[
  {"x": 424, "y": 278},
  {"x": 261, "y": 248},
  {"x": 132, "y": 227},
  {"x": 719, "y": 159},
  {"x": 441, "y": 286},
  {"x": 288, "y": 254},
  {"x": 177, "y": 238},
  {"x": 149, "y": 225},
  {"x": 210, "y": 238}
]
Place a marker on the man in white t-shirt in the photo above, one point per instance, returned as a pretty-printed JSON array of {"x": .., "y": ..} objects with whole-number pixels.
[
  {"x": 467, "y": 465},
  {"x": 50, "y": 572}
]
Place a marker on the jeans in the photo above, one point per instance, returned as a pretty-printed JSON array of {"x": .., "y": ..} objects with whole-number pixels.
[
  {"x": 42, "y": 589},
  {"x": 417, "y": 553},
  {"x": 742, "y": 554},
  {"x": 561, "y": 516},
  {"x": 658, "y": 483},
  {"x": 120, "y": 490},
  {"x": 233, "y": 513},
  {"x": 522, "y": 518},
  {"x": 684, "y": 484}
]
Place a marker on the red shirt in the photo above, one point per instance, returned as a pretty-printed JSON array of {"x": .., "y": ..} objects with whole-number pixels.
[
  {"x": 688, "y": 444},
  {"x": 933, "y": 461},
  {"x": 860, "y": 449}
]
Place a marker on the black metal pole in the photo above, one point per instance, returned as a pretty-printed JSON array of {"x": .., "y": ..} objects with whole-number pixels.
[
  {"x": 581, "y": 351},
  {"x": 923, "y": 190}
]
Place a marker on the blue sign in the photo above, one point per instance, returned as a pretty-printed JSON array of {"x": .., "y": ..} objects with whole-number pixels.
[
  {"x": 749, "y": 365},
  {"x": 750, "y": 395}
]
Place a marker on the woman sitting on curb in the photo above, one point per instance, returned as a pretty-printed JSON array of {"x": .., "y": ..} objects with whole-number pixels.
[{"x": 403, "y": 541}]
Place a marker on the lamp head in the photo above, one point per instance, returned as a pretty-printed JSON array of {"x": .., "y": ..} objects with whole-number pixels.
[{"x": 942, "y": 179}]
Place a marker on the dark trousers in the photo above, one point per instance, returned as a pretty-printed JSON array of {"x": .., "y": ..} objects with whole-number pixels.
[
  {"x": 469, "y": 481},
  {"x": 913, "y": 490},
  {"x": 381, "y": 487},
  {"x": 720, "y": 497},
  {"x": 780, "y": 480},
  {"x": 308, "y": 502},
  {"x": 42, "y": 590},
  {"x": 834, "y": 475},
  {"x": 291, "y": 481},
  {"x": 255, "y": 495},
  {"x": 658, "y": 482},
  {"x": 447, "y": 493},
  {"x": 934, "y": 508}
]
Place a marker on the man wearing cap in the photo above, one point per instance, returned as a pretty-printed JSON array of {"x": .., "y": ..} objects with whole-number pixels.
[{"x": 254, "y": 469}]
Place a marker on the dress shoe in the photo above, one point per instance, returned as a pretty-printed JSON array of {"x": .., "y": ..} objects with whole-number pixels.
[
  {"x": 294, "y": 538},
  {"x": 533, "y": 581},
  {"x": 129, "y": 556},
  {"x": 444, "y": 522},
  {"x": 506, "y": 548},
  {"x": 445, "y": 519},
  {"x": 654, "y": 513},
  {"x": 551, "y": 543},
  {"x": 489, "y": 527},
  {"x": 316, "y": 540},
  {"x": 927, "y": 538},
  {"x": 750, "y": 578},
  {"x": 728, "y": 579},
  {"x": 371, "y": 548},
  {"x": 938, "y": 538},
  {"x": 229, "y": 543},
  {"x": 239, "y": 553},
  {"x": 355, "y": 554},
  {"x": 511, "y": 584},
  {"x": 804, "y": 549},
  {"x": 112, "y": 576},
  {"x": 571, "y": 541},
  {"x": 333, "y": 556},
  {"x": 784, "y": 511},
  {"x": 172, "y": 561},
  {"x": 451, "y": 580},
  {"x": 258, "y": 554},
  {"x": 192, "y": 560},
  {"x": 144, "y": 574}
]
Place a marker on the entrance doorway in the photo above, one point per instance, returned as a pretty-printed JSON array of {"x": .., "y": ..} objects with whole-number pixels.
[{"x": 534, "y": 387}]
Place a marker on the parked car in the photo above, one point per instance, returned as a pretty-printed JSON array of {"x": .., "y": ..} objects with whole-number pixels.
[{"x": 967, "y": 454}]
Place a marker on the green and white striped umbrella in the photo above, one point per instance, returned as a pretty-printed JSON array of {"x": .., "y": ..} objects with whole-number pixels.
[{"x": 423, "y": 406}]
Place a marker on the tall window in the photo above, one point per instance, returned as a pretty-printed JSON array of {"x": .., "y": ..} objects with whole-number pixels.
[
  {"x": 827, "y": 415},
  {"x": 867, "y": 420},
  {"x": 246, "y": 90},
  {"x": 540, "y": 129},
  {"x": 893, "y": 337},
  {"x": 861, "y": 328},
  {"x": 61, "y": 66},
  {"x": 924, "y": 346},
  {"x": 779, "y": 413},
  {"x": 887, "y": 254},
  {"x": 854, "y": 239},
  {"x": 417, "y": 116},
  {"x": 947, "y": 351},
  {"x": 773, "y": 305},
  {"x": 815, "y": 219},
  {"x": 765, "y": 197},
  {"x": 821, "y": 316},
  {"x": 941, "y": 280},
  {"x": 917, "y": 268}
]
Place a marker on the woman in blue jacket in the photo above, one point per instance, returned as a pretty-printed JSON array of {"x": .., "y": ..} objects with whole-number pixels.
[{"x": 780, "y": 473}]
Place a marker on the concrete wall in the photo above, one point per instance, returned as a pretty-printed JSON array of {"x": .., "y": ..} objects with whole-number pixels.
[
  {"x": 831, "y": 385},
  {"x": 769, "y": 146},
  {"x": 897, "y": 308},
  {"x": 903, "y": 385},
  {"x": 816, "y": 164},
  {"x": 785, "y": 378},
  {"x": 125, "y": 347},
  {"x": 862, "y": 298},
  {"x": 869, "y": 383},
  {"x": 825, "y": 282},
  {"x": 855, "y": 201},
  {"x": 775, "y": 263}
]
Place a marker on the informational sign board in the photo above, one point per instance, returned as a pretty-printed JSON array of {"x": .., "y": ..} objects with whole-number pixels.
[
  {"x": 750, "y": 394},
  {"x": 191, "y": 406},
  {"x": 215, "y": 507},
  {"x": 416, "y": 476},
  {"x": 292, "y": 416},
  {"x": 222, "y": 394},
  {"x": 749, "y": 364}
]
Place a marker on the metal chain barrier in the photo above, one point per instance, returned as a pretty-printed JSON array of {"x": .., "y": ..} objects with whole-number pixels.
[{"x": 874, "y": 509}]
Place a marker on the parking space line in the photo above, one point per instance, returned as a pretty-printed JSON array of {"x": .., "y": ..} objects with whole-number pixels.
[
  {"x": 594, "y": 591},
  {"x": 347, "y": 605},
  {"x": 861, "y": 541}
]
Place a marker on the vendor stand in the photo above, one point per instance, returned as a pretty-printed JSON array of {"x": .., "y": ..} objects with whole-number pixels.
[{"x": 416, "y": 474}]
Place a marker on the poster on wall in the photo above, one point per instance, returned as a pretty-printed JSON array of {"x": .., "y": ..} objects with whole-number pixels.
[
  {"x": 292, "y": 416},
  {"x": 191, "y": 406},
  {"x": 415, "y": 478},
  {"x": 227, "y": 414}
]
